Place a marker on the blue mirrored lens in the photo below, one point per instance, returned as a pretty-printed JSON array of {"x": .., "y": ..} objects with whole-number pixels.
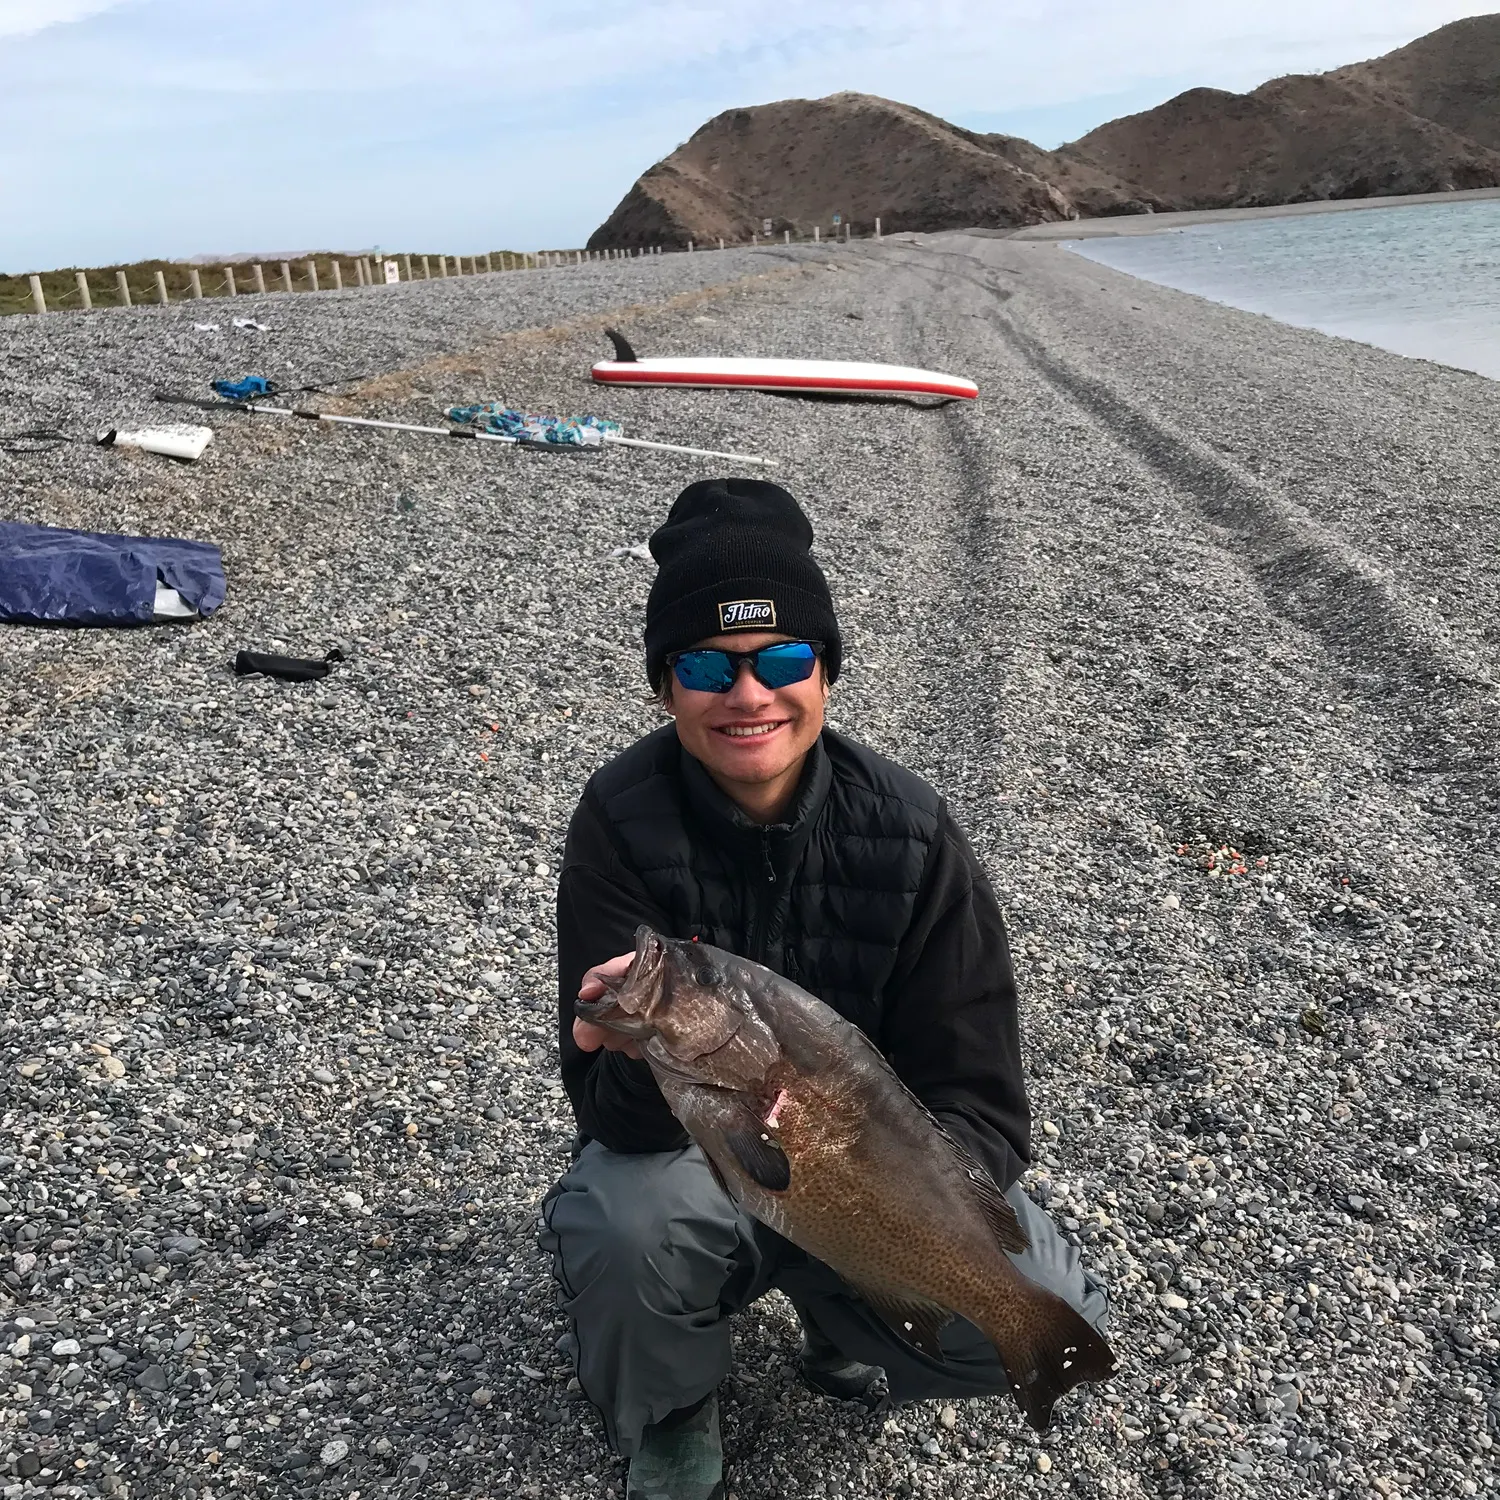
[
  {"x": 705, "y": 671},
  {"x": 781, "y": 666},
  {"x": 775, "y": 666}
]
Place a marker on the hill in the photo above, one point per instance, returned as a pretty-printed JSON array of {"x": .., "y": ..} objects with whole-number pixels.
[
  {"x": 799, "y": 161},
  {"x": 1424, "y": 118},
  {"x": 1293, "y": 139},
  {"x": 1451, "y": 75}
]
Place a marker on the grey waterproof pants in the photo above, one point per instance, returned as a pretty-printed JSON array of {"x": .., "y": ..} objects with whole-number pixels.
[{"x": 652, "y": 1257}]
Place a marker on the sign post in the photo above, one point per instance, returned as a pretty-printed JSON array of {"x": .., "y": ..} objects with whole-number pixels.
[{"x": 392, "y": 272}]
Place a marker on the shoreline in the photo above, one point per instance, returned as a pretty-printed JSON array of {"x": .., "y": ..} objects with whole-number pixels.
[{"x": 1139, "y": 224}]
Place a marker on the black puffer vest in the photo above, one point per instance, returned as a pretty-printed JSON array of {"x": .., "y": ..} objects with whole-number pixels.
[{"x": 824, "y": 898}]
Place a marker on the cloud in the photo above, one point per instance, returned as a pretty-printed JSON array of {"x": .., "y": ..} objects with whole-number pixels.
[{"x": 25, "y": 17}]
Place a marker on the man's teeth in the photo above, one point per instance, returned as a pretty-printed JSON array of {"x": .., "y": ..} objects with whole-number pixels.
[{"x": 744, "y": 731}]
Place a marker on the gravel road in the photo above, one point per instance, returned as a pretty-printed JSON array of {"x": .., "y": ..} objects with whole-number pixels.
[{"x": 1192, "y": 617}]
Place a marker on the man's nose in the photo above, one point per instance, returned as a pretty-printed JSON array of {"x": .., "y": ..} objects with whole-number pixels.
[{"x": 748, "y": 692}]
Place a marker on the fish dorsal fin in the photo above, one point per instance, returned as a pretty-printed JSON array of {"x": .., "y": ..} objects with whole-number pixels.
[
  {"x": 998, "y": 1213},
  {"x": 914, "y": 1317}
]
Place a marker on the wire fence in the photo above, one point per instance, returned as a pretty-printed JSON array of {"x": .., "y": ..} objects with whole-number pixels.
[{"x": 163, "y": 283}]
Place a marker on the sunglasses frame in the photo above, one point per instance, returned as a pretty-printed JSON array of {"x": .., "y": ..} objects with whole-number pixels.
[{"x": 737, "y": 659}]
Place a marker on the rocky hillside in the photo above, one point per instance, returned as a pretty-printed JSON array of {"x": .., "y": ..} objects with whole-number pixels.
[
  {"x": 799, "y": 161},
  {"x": 1288, "y": 141},
  {"x": 1425, "y": 118},
  {"x": 1451, "y": 75}
]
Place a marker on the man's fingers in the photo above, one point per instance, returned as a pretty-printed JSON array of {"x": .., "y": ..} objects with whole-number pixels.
[
  {"x": 591, "y": 1038},
  {"x": 594, "y": 982}
]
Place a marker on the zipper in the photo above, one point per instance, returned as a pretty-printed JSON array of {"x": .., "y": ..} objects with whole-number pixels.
[{"x": 764, "y": 904}]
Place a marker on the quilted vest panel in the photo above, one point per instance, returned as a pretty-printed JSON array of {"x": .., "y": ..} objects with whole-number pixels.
[{"x": 824, "y": 899}]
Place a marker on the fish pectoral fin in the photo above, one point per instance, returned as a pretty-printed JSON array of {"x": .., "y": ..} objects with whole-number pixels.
[
  {"x": 759, "y": 1156},
  {"x": 917, "y": 1319},
  {"x": 998, "y": 1213}
]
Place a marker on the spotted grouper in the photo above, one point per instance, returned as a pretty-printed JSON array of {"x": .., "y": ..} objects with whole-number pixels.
[{"x": 810, "y": 1131}]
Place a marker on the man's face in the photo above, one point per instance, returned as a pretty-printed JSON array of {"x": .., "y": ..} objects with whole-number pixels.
[{"x": 752, "y": 734}]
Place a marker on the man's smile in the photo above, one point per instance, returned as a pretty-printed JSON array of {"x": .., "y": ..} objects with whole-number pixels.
[{"x": 750, "y": 731}]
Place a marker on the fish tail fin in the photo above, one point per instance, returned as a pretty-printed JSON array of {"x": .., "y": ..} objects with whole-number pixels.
[{"x": 1048, "y": 1350}]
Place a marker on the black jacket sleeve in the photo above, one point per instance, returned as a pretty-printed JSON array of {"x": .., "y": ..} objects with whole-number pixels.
[
  {"x": 950, "y": 1026},
  {"x": 600, "y": 903}
]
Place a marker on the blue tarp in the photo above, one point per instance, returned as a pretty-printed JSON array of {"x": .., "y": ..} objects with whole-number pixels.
[{"x": 52, "y": 576}]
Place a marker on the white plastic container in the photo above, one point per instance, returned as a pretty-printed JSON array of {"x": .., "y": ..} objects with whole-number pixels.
[{"x": 176, "y": 440}]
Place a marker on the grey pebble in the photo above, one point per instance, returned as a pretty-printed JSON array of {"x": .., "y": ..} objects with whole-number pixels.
[{"x": 1184, "y": 579}]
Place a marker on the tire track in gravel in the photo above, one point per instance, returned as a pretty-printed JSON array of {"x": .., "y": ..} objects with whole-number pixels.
[
  {"x": 1440, "y": 715},
  {"x": 1263, "y": 540}
]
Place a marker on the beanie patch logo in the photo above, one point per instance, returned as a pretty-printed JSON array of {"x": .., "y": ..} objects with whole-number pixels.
[{"x": 747, "y": 614}]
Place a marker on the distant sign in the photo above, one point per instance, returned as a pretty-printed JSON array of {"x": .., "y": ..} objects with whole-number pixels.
[
  {"x": 392, "y": 272},
  {"x": 766, "y": 226},
  {"x": 837, "y": 220}
]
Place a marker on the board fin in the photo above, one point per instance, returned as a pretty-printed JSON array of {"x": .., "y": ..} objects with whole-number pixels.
[
  {"x": 624, "y": 354},
  {"x": 914, "y": 1317},
  {"x": 760, "y": 1158}
]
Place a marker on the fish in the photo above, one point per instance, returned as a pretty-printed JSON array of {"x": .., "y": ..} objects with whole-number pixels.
[{"x": 810, "y": 1131}]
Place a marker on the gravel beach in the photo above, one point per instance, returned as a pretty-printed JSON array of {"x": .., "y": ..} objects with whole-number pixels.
[{"x": 1192, "y": 618}]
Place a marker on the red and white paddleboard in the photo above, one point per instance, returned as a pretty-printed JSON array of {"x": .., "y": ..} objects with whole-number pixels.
[{"x": 813, "y": 377}]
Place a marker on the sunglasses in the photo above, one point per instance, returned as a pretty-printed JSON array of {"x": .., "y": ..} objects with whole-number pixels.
[{"x": 775, "y": 666}]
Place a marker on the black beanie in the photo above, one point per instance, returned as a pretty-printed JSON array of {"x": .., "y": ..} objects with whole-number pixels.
[{"x": 733, "y": 555}]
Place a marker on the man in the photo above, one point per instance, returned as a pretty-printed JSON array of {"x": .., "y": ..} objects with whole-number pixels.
[{"x": 748, "y": 825}]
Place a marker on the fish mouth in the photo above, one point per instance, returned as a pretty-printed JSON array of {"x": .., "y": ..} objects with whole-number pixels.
[{"x": 640, "y": 982}]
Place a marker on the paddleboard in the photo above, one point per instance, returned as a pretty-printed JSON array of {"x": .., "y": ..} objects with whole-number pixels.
[{"x": 823, "y": 377}]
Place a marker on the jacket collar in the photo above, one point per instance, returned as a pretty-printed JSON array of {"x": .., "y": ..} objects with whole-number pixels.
[{"x": 723, "y": 819}]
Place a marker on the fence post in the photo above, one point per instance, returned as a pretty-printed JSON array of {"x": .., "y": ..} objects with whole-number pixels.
[
  {"x": 877, "y": 227},
  {"x": 229, "y": 281},
  {"x": 817, "y": 233},
  {"x": 487, "y": 266},
  {"x": 161, "y": 289},
  {"x": 286, "y": 277},
  {"x": 38, "y": 301},
  {"x": 338, "y": 275},
  {"x": 83, "y": 290},
  {"x": 406, "y": 268},
  {"x": 123, "y": 288},
  {"x": 258, "y": 275},
  {"x": 369, "y": 266},
  {"x": 721, "y": 242},
  {"x": 196, "y": 282},
  {"x": 442, "y": 261}
]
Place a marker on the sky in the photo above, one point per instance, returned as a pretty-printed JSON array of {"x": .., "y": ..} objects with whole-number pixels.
[{"x": 144, "y": 128}]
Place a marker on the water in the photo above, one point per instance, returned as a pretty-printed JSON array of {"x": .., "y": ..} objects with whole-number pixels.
[{"x": 1419, "y": 281}]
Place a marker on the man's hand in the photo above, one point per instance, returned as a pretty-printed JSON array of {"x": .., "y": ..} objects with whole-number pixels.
[{"x": 591, "y": 1038}]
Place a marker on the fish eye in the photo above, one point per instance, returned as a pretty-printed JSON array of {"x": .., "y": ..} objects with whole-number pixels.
[{"x": 705, "y": 975}]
